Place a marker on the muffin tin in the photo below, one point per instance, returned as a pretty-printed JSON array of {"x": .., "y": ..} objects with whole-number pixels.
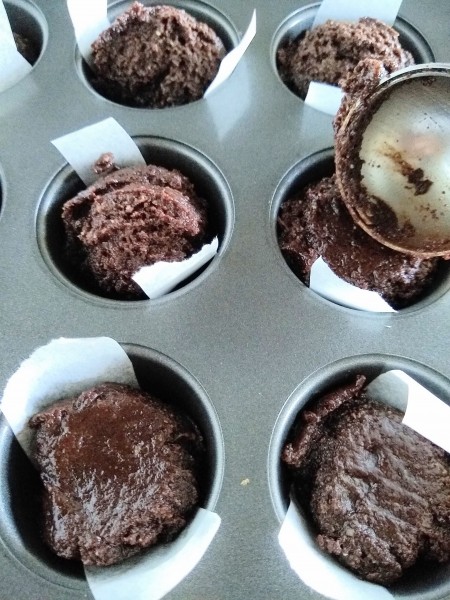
[{"x": 246, "y": 331}]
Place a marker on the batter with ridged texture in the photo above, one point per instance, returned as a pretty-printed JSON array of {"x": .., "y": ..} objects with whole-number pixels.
[
  {"x": 131, "y": 218},
  {"x": 156, "y": 56},
  {"x": 315, "y": 222},
  {"x": 120, "y": 473},
  {"x": 377, "y": 492},
  {"x": 330, "y": 52}
]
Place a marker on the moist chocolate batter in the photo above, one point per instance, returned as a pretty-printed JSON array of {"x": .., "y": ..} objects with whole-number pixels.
[
  {"x": 330, "y": 52},
  {"x": 131, "y": 218},
  {"x": 378, "y": 493},
  {"x": 316, "y": 223},
  {"x": 119, "y": 470},
  {"x": 156, "y": 56}
]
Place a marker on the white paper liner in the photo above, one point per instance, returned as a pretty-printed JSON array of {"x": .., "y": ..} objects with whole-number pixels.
[
  {"x": 317, "y": 569},
  {"x": 424, "y": 412},
  {"x": 81, "y": 149},
  {"x": 5, "y": 26},
  {"x": 325, "y": 97},
  {"x": 63, "y": 368},
  {"x": 221, "y": 122},
  {"x": 349, "y": 10},
  {"x": 89, "y": 19},
  {"x": 427, "y": 415},
  {"x": 162, "y": 569},
  {"x": 327, "y": 284},
  {"x": 161, "y": 277},
  {"x": 232, "y": 59},
  {"x": 13, "y": 66}
]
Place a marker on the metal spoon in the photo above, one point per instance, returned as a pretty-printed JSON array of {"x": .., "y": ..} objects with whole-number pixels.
[{"x": 394, "y": 167}]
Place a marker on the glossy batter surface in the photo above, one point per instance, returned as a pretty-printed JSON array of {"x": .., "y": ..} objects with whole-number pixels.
[{"x": 119, "y": 470}]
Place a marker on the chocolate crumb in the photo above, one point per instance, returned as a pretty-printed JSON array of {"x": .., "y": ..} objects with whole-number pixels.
[
  {"x": 105, "y": 164},
  {"x": 414, "y": 176}
]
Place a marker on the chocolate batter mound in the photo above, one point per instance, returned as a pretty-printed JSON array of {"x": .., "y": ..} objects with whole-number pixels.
[
  {"x": 330, "y": 52},
  {"x": 156, "y": 56},
  {"x": 131, "y": 218},
  {"x": 378, "y": 493},
  {"x": 317, "y": 223},
  {"x": 119, "y": 470}
]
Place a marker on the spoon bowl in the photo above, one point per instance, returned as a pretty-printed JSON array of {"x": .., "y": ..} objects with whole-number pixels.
[{"x": 394, "y": 166}]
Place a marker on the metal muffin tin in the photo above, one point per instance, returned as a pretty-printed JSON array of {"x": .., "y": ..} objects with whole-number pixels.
[{"x": 247, "y": 340}]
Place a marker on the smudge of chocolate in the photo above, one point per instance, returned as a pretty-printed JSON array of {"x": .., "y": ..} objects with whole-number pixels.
[{"x": 414, "y": 176}]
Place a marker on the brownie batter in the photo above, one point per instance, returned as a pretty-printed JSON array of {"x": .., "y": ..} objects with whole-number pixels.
[
  {"x": 378, "y": 493},
  {"x": 119, "y": 470},
  {"x": 330, "y": 52},
  {"x": 155, "y": 56},
  {"x": 131, "y": 218},
  {"x": 316, "y": 222},
  {"x": 26, "y": 48}
]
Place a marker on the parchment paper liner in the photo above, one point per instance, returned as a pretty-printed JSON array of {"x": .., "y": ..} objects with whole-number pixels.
[
  {"x": 327, "y": 284},
  {"x": 81, "y": 149},
  {"x": 64, "y": 368},
  {"x": 89, "y": 19},
  {"x": 424, "y": 413}
]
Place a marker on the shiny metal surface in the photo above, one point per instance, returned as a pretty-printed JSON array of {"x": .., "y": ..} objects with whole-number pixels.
[{"x": 405, "y": 154}]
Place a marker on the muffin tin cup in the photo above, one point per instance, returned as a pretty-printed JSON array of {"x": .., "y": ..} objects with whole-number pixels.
[
  {"x": 156, "y": 374},
  {"x": 199, "y": 10},
  {"x": 423, "y": 581},
  {"x": 208, "y": 182},
  {"x": 300, "y": 21},
  {"x": 25, "y": 19},
  {"x": 246, "y": 327},
  {"x": 311, "y": 170}
]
